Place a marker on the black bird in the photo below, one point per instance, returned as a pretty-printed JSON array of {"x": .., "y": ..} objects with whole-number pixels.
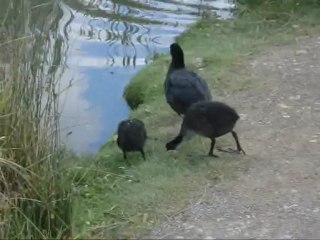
[
  {"x": 183, "y": 87},
  {"x": 208, "y": 119},
  {"x": 132, "y": 136}
]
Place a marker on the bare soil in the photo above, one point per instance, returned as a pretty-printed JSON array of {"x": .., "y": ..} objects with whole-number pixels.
[{"x": 279, "y": 195}]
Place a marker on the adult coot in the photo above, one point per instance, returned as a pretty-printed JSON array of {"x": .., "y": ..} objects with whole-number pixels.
[
  {"x": 183, "y": 87},
  {"x": 208, "y": 119},
  {"x": 132, "y": 136}
]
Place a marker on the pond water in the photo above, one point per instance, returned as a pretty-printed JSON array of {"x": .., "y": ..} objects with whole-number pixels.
[{"x": 106, "y": 43}]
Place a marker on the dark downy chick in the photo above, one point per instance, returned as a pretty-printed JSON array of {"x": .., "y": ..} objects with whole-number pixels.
[
  {"x": 132, "y": 136},
  {"x": 183, "y": 87},
  {"x": 208, "y": 119}
]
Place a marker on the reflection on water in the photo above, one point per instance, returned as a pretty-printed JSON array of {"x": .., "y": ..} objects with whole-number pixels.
[{"x": 106, "y": 43}]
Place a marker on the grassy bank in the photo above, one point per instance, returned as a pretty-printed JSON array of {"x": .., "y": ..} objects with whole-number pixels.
[{"x": 115, "y": 200}]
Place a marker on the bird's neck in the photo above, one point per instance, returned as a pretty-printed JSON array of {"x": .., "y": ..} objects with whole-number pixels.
[{"x": 174, "y": 65}]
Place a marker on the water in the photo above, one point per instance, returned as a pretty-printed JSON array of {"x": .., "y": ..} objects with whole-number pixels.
[{"x": 105, "y": 44}]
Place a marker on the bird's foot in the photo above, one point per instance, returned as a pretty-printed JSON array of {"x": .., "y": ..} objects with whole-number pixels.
[
  {"x": 212, "y": 155},
  {"x": 231, "y": 150}
]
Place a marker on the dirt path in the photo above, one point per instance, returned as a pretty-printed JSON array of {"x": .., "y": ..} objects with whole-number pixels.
[{"x": 279, "y": 196}]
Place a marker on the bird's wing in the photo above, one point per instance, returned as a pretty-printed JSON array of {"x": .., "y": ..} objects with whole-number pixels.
[{"x": 188, "y": 82}]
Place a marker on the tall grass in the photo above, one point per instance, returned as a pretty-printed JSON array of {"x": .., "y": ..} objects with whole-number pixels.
[{"x": 34, "y": 195}]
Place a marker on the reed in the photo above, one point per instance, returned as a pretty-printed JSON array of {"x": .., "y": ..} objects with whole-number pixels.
[{"x": 35, "y": 197}]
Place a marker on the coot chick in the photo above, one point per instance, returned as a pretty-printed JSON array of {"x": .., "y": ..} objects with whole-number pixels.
[
  {"x": 208, "y": 119},
  {"x": 183, "y": 87},
  {"x": 132, "y": 136}
]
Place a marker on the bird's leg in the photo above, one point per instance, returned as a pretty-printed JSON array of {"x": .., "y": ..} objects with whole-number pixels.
[
  {"x": 213, "y": 142},
  {"x": 125, "y": 158},
  {"x": 173, "y": 144},
  {"x": 239, "y": 148},
  {"x": 143, "y": 155}
]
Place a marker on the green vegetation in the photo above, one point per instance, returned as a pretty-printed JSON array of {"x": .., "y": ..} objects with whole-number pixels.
[
  {"x": 115, "y": 200},
  {"x": 35, "y": 200},
  {"x": 99, "y": 195}
]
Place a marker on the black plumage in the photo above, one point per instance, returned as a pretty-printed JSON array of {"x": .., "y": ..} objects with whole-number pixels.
[
  {"x": 208, "y": 119},
  {"x": 132, "y": 136},
  {"x": 183, "y": 87}
]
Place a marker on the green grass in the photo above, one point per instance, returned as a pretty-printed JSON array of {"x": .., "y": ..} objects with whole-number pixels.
[
  {"x": 114, "y": 200},
  {"x": 122, "y": 201}
]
